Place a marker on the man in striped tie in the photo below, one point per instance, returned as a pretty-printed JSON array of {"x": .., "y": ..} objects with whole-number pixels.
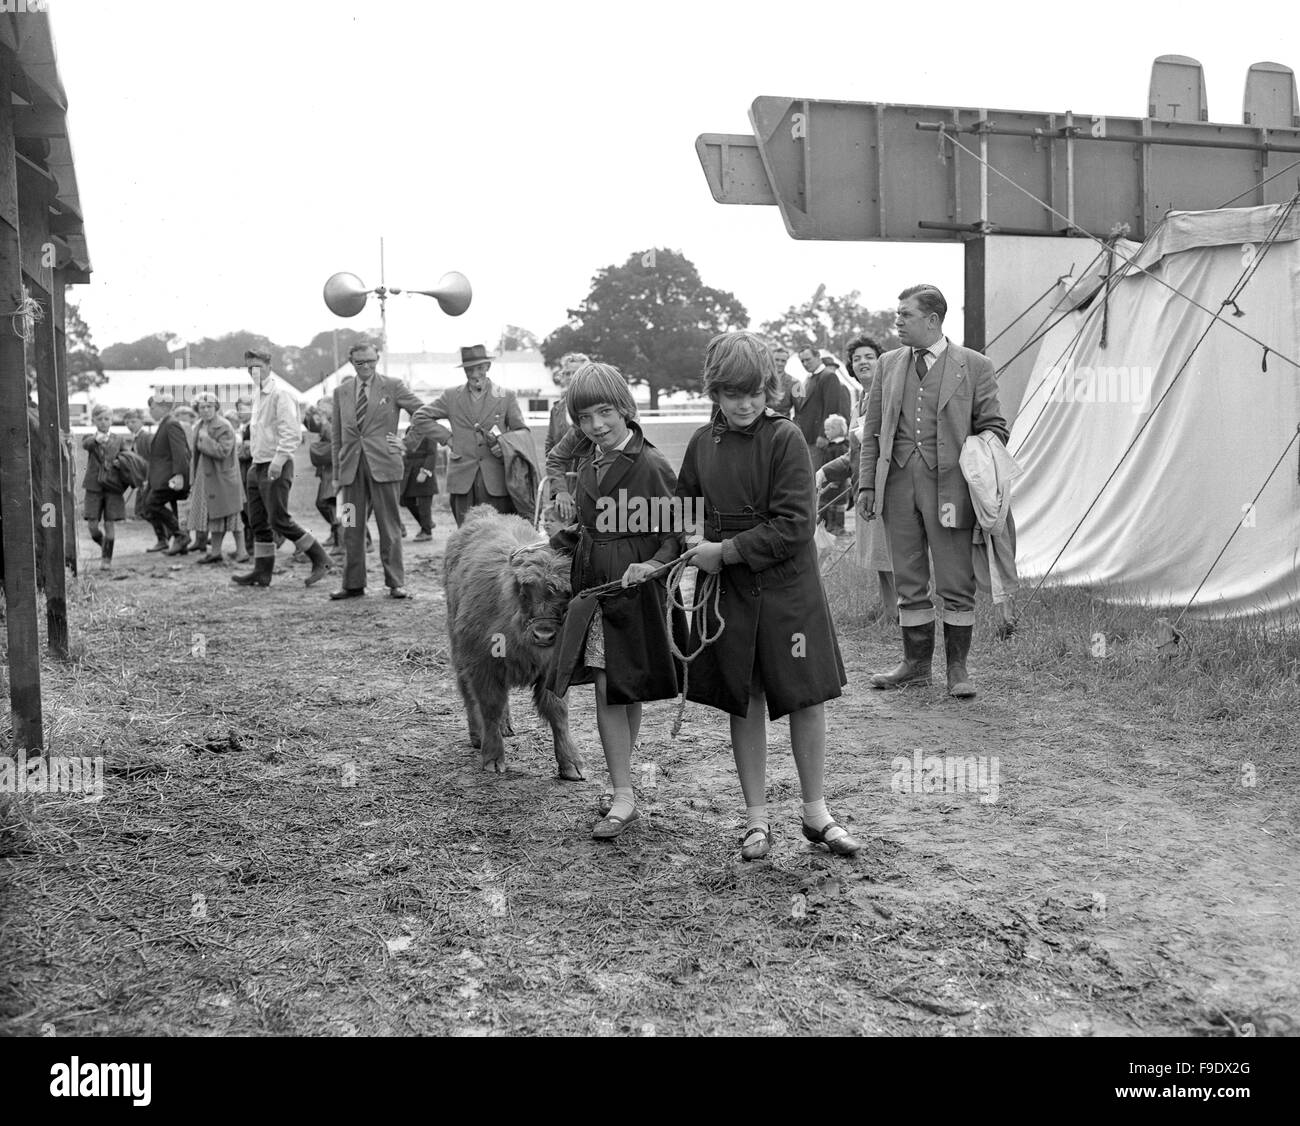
[
  {"x": 928, "y": 397},
  {"x": 368, "y": 468}
]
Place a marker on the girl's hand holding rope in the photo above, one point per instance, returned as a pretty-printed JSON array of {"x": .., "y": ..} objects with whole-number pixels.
[
  {"x": 640, "y": 572},
  {"x": 707, "y": 557}
]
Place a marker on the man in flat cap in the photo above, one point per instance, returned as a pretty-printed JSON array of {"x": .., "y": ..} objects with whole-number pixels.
[
  {"x": 275, "y": 431},
  {"x": 478, "y": 414}
]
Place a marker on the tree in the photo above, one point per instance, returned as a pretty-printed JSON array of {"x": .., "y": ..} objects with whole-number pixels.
[
  {"x": 651, "y": 318},
  {"x": 516, "y": 339},
  {"x": 228, "y": 351},
  {"x": 830, "y": 323},
  {"x": 302, "y": 367},
  {"x": 145, "y": 354},
  {"x": 85, "y": 366}
]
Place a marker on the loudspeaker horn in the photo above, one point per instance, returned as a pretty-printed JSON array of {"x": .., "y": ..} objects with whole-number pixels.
[
  {"x": 453, "y": 293},
  {"x": 345, "y": 295}
]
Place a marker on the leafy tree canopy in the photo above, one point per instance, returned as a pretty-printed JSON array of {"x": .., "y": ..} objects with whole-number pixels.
[
  {"x": 651, "y": 318},
  {"x": 85, "y": 366},
  {"x": 831, "y": 322}
]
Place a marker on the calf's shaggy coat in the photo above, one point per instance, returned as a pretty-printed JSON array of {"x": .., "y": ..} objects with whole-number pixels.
[{"x": 506, "y": 596}]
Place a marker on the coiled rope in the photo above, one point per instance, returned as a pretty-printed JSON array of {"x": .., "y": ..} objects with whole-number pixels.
[{"x": 707, "y": 588}]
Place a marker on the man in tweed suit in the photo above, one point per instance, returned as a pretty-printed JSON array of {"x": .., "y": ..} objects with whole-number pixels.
[
  {"x": 478, "y": 414},
  {"x": 929, "y": 396},
  {"x": 368, "y": 468}
]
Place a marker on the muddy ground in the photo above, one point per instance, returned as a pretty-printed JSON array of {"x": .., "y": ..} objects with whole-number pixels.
[{"x": 294, "y": 837}]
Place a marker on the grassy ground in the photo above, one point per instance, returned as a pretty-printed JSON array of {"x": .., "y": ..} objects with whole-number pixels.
[{"x": 294, "y": 838}]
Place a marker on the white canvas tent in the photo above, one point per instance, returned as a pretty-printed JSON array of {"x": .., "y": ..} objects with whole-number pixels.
[{"x": 1206, "y": 432}]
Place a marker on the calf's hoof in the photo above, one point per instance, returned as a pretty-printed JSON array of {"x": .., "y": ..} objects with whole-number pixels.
[
  {"x": 492, "y": 764},
  {"x": 571, "y": 770}
]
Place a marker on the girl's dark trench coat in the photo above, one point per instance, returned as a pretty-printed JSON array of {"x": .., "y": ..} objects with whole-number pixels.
[
  {"x": 778, "y": 631},
  {"x": 639, "y": 662}
]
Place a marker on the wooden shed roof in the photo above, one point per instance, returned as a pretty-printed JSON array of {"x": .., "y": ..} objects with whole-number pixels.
[{"x": 41, "y": 131}]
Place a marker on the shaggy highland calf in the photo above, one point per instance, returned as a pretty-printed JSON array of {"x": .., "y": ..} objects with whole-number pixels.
[{"x": 506, "y": 597}]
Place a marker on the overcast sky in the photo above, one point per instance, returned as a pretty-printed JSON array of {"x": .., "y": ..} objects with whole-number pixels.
[{"x": 231, "y": 156}]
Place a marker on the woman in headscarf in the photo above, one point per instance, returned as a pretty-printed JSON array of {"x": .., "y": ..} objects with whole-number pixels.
[{"x": 216, "y": 476}]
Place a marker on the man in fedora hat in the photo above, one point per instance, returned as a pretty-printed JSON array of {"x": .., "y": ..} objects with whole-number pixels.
[
  {"x": 478, "y": 414},
  {"x": 275, "y": 432},
  {"x": 368, "y": 468}
]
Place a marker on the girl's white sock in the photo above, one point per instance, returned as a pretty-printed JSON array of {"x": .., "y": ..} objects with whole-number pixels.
[
  {"x": 815, "y": 814},
  {"x": 624, "y": 803}
]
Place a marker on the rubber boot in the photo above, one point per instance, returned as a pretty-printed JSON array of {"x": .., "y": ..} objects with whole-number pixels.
[
  {"x": 336, "y": 539},
  {"x": 180, "y": 545},
  {"x": 263, "y": 566},
  {"x": 106, "y": 555},
  {"x": 918, "y": 649},
  {"x": 956, "y": 644},
  {"x": 320, "y": 560},
  {"x": 200, "y": 541}
]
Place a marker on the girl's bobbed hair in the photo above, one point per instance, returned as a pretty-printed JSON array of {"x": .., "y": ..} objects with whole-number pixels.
[
  {"x": 740, "y": 362},
  {"x": 594, "y": 384}
]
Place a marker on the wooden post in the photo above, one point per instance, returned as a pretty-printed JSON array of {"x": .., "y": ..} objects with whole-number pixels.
[
  {"x": 974, "y": 328},
  {"x": 34, "y": 224},
  {"x": 60, "y": 353},
  {"x": 15, "y": 454}
]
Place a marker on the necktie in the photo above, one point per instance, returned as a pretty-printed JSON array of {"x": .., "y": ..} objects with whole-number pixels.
[
  {"x": 921, "y": 366},
  {"x": 361, "y": 403}
]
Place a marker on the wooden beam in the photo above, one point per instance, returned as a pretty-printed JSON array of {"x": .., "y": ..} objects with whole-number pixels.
[
  {"x": 974, "y": 328},
  {"x": 60, "y": 352},
  {"x": 32, "y": 122},
  {"x": 34, "y": 233},
  {"x": 15, "y": 454},
  {"x": 55, "y": 517}
]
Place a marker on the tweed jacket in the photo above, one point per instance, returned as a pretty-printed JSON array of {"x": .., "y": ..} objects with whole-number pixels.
[
  {"x": 968, "y": 404},
  {"x": 468, "y": 433}
]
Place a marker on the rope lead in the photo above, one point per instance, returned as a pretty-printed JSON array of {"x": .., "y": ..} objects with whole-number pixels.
[{"x": 707, "y": 587}]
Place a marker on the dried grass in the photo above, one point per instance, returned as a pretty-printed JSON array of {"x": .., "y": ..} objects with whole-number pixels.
[{"x": 294, "y": 840}]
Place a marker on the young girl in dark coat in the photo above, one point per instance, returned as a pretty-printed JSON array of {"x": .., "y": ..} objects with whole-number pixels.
[
  {"x": 625, "y": 649},
  {"x": 778, "y": 648}
]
